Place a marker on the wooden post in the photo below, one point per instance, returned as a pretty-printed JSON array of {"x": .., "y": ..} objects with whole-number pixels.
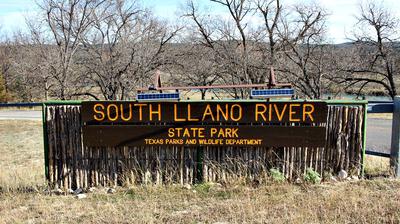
[
  {"x": 199, "y": 164},
  {"x": 45, "y": 142},
  {"x": 395, "y": 143}
]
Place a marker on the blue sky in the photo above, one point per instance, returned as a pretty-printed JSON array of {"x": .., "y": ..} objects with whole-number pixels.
[{"x": 341, "y": 17}]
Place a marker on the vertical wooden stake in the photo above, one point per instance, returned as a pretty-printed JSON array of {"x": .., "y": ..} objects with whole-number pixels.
[
  {"x": 395, "y": 144},
  {"x": 199, "y": 164}
]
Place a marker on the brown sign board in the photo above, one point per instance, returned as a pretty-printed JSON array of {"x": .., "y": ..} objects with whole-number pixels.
[
  {"x": 258, "y": 123},
  {"x": 227, "y": 135},
  {"x": 133, "y": 112}
]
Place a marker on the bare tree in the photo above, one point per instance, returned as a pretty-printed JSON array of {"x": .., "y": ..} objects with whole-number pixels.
[
  {"x": 38, "y": 57},
  {"x": 196, "y": 67},
  {"x": 227, "y": 38},
  {"x": 302, "y": 36},
  {"x": 122, "y": 47},
  {"x": 271, "y": 12},
  {"x": 67, "y": 22},
  {"x": 4, "y": 70},
  {"x": 102, "y": 49},
  {"x": 289, "y": 39},
  {"x": 375, "y": 60},
  {"x": 5, "y": 63}
]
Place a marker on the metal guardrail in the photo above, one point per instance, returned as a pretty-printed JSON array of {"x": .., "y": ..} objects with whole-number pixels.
[
  {"x": 377, "y": 107},
  {"x": 380, "y": 154}
]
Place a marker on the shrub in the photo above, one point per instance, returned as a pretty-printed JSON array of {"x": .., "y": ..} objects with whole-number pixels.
[
  {"x": 312, "y": 176},
  {"x": 277, "y": 175},
  {"x": 202, "y": 188}
]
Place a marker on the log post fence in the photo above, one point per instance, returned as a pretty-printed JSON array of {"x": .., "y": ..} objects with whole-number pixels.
[{"x": 70, "y": 165}]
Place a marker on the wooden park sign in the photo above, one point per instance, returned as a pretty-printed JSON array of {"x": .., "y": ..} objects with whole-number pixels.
[{"x": 257, "y": 123}]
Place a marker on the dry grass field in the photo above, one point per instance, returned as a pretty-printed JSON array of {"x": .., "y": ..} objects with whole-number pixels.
[
  {"x": 21, "y": 154},
  {"x": 24, "y": 198}
]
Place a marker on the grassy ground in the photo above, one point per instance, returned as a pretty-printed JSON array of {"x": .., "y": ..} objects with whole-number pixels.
[
  {"x": 377, "y": 166},
  {"x": 374, "y": 201},
  {"x": 21, "y": 154},
  {"x": 23, "y": 197}
]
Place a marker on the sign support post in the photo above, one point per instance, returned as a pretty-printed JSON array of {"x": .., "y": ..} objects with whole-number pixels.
[{"x": 395, "y": 143}]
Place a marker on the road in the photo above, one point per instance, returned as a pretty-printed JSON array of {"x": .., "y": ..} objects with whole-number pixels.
[
  {"x": 20, "y": 114},
  {"x": 378, "y": 135},
  {"x": 378, "y": 130}
]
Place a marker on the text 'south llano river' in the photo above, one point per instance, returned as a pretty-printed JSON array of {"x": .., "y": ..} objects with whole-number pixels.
[{"x": 295, "y": 112}]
